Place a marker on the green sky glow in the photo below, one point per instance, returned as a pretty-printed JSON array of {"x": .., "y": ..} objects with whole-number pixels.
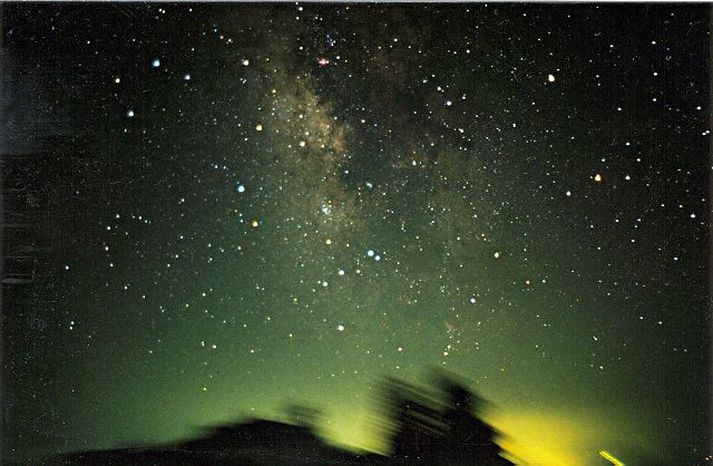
[{"x": 241, "y": 227}]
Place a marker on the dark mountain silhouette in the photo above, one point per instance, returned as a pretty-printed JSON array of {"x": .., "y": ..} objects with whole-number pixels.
[
  {"x": 253, "y": 442},
  {"x": 431, "y": 427}
]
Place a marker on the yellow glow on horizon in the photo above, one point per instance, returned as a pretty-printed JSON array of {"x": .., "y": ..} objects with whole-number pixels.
[{"x": 543, "y": 439}]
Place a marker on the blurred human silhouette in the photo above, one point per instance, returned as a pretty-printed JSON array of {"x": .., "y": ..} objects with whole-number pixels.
[
  {"x": 445, "y": 427},
  {"x": 470, "y": 440}
]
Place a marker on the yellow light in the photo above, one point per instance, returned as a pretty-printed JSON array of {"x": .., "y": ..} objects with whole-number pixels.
[
  {"x": 609, "y": 457},
  {"x": 544, "y": 438}
]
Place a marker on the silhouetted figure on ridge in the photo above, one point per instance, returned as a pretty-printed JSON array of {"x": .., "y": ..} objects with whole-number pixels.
[
  {"x": 446, "y": 431},
  {"x": 469, "y": 439}
]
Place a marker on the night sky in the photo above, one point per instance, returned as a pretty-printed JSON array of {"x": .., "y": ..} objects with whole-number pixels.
[{"x": 230, "y": 208}]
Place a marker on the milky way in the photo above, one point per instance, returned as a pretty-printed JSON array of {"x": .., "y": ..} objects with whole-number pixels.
[{"x": 242, "y": 207}]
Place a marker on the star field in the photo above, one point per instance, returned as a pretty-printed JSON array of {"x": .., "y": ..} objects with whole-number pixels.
[{"x": 251, "y": 205}]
